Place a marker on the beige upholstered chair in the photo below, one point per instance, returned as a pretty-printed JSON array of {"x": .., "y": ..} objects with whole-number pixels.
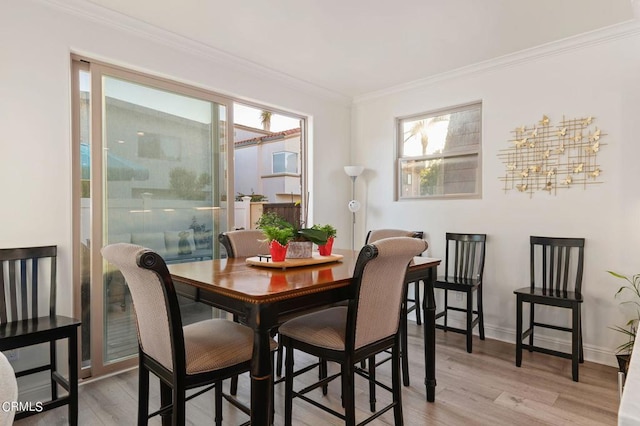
[
  {"x": 200, "y": 354},
  {"x": 367, "y": 326},
  {"x": 244, "y": 243},
  {"x": 8, "y": 390},
  {"x": 409, "y": 304}
]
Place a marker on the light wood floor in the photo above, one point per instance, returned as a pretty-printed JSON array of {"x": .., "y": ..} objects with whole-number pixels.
[{"x": 483, "y": 388}]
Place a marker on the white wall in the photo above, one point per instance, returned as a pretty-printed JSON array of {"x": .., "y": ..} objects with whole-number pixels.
[
  {"x": 601, "y": 80},
  {"x": 36, "y": 40}
]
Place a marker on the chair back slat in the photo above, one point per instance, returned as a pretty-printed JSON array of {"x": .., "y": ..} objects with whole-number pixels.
[
  {"x": 13, "y": 291},
  {"x": 561, "y": 270},
  {"x": 379, "y": 289},
  {"x": 468, "y": 256},
  {"x": 3, "y": 300},
  {"x": 24, "y": 269},
  {"x": 24, "y": 293}
]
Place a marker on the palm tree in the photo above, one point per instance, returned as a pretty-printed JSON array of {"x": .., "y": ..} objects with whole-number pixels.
[
  {"x": 265, "y": 119},
  {"x": 420, "y": 129}
]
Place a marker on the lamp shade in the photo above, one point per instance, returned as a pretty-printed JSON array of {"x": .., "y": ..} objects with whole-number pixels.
[{"x": 353, "y": 171}]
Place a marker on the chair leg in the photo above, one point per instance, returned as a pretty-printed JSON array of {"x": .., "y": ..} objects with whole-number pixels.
[
  {"x": 54, "y": 368},
  {"x": 218, "y": 403},
  {"x": 395, "y": 385},
  {"x": 480, "y": 312},
  {"x": 73, "y": 378},
  {"x": 416, "y": 297},
  {"x": 279, "y": 358},
  {"x": 575, "y": 342},
  {"x": 518, "y": 331},
  {"x": 322, "y": 374},
  {"x": 233, "y": 387},
  {"x": 532, "y": 311},
  {"x": 143, "y": 395},
  {"x": 179, "y": 406},
  {"x": 348, "y": 393},
  {"x": 581, "y": 358},
  {"x": 372, "y": 383},
  {"x": 288, "y": 386},
  {"x": 165, "y": 400},
  {"x": 404, "y": 352},
  {"x": 446, "y": 308},
  {"x": 469, "y": 322}
]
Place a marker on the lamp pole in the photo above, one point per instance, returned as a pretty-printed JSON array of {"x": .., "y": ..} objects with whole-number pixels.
[{"x": 354, "y": 205}]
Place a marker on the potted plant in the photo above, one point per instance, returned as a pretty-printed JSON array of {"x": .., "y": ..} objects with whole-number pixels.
[
  {"x": 623, "y": 352},
  {"x": 325, "y": 249},
  {"x": 278, "y": 239},
  {"x": 302, "y": 239}
]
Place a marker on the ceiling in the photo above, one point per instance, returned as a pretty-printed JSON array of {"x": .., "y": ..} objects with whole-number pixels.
[{"x": 354, "y": 47}]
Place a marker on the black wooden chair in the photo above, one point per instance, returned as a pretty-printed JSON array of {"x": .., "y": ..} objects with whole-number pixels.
[
  {"x": 556, "y": 280},
  {"x": 409, "y": 305},
  {"x": 369, "y": 325},
  {"x": 200, "y": 354},
  {"x": 32, "y": 271},
  {"x": 464, "y": 267}
]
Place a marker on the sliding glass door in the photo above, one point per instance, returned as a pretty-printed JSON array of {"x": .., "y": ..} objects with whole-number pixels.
[{"x": 153, "y": 171}]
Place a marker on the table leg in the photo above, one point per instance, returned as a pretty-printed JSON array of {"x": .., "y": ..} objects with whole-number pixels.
[
  {"x": 430, "y": 335},
  {"x": 261, "y": 375}
]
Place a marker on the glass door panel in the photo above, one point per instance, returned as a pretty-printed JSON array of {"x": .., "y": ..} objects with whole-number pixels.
[{"x": 163, "y": 169}]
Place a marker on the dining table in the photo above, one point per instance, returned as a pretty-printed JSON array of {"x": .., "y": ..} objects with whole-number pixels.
[{"x": 265, "y": 297}]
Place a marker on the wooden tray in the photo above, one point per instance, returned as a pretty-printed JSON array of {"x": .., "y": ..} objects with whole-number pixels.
[{"x": 315, "y": 259}]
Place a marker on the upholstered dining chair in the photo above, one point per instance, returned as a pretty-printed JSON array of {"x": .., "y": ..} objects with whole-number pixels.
[
  {"x": 31, "y": 274},
  {"x": 244, "y": 243},
  {"x": 368, "y": 325},
  {"x": 8, "y": 390},
  {"x": 200, "y": 354},
  {"x": 556, "y": 266},
  {"x": 464, "y": 268},
  {"x": 409, "y": 304}
]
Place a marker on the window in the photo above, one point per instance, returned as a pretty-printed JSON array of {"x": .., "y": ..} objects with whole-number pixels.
[
  {"x": 439, "y": 153},
  {"x": 285, "y": 162}
]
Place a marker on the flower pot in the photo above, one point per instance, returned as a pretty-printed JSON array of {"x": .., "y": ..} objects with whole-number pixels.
[
  {"x": 623, "y": 362},
  {"x": 278, "y": 251},
  {"x": 325, "y": 249},
  {"x": 299, "y": 249}
]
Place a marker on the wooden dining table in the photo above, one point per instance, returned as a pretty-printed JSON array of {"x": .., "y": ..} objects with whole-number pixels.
[{"x": 265, "y": 297}]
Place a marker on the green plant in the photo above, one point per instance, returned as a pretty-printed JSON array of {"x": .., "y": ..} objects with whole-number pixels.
[
  {"x": 630, "y": 328},
  {"x": 255, "y": 198},
  {"x": 187, "y": 184},
  {"x": 281, "y": 235},
  {"x": 328, "y": 229},
  {"x": 273, "y": 220}
]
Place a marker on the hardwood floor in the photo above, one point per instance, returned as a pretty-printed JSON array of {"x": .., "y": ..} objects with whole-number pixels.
[{"x": 483, "y": 388}]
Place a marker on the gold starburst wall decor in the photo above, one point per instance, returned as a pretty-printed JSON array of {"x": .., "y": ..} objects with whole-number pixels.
[{"x": 547, "y": 157}]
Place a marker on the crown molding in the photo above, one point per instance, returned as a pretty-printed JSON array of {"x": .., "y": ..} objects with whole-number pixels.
[
  {"x": 581, "y": 41},
  {"x": 116, "y": 20}
]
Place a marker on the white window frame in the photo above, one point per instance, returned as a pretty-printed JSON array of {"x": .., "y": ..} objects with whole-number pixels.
[{"x": 401, "y": 158}]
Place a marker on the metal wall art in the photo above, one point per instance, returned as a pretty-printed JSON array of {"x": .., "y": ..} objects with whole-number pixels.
[{"x": 547, "y": 157}]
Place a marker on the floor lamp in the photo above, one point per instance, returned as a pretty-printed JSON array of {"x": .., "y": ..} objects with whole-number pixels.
[{"x": 354, "y": 205}]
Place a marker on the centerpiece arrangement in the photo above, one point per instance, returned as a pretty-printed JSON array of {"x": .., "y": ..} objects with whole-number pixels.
[{"x": 285, "y": 241}]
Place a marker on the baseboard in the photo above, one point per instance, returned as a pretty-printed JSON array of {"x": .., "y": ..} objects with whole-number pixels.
[{"x": 591, "y": 353}]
